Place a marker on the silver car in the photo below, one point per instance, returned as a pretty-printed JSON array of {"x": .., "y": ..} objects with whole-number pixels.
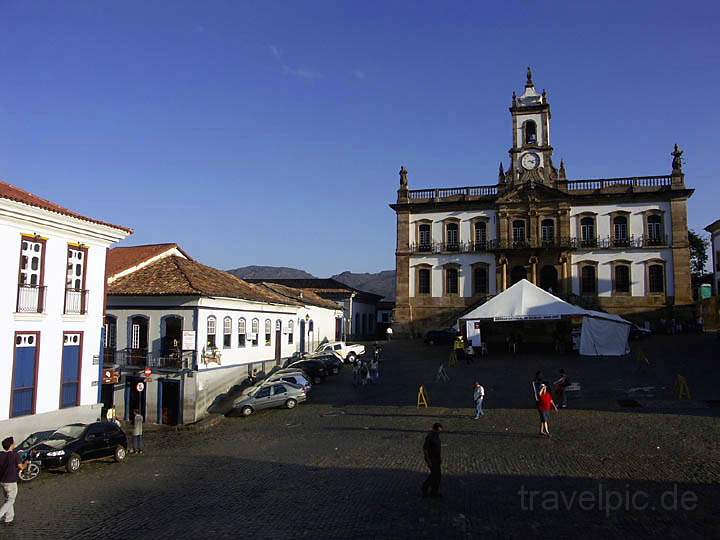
[
  {"x": 298, "y": 378},
  {"x": 273, "y": 394}
]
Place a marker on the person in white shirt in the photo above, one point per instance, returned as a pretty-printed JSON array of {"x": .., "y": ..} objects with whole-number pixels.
[
  {"x": 389, "y": 333},
  {"x": 478, "y": 396}
]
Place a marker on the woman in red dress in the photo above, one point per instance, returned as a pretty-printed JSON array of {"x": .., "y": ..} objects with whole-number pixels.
[{"x": 545, "y": 404}]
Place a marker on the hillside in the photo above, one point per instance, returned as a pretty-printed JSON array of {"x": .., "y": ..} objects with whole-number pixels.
[
  {"x": 382, "y": 283},
  {"x": 267, "y": 272}
]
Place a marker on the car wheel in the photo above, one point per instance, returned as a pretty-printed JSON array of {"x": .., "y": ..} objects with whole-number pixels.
[
  {"x": 73, "y": 463},
  {"x": 30, "y": 472},
  {"x": 247, "y": 410},
  {"x": 120, "y": 453},
  {"x": 352, "y": 358},
  {"x": 290, "y": 403}
]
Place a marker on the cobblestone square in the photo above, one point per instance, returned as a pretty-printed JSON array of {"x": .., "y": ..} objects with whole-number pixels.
[{"x": 348, "y": 463}]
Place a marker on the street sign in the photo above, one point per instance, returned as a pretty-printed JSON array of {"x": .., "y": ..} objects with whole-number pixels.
[
  {"x": 111, "y": 376},
  {"x": 188, "y": 340},
  {"x": 148, "y": 372},
  {"x": 140, "y": 387}
]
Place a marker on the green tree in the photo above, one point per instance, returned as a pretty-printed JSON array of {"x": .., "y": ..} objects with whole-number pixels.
[{"x": 698, "y": 253}]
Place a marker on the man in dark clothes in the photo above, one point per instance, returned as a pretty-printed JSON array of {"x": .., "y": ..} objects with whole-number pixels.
[{"x": 432, "y": 451}]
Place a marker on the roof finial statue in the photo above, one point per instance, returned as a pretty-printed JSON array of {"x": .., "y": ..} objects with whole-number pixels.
[
  {"x": 561, "y": 172},
  {"x": 501, "y": 174},
  {"x": 403, "y": 178},
  {"x": 677, "y": 159},
  {"x": 514, "y": 98},
  {"x": 529, "y": 83}
]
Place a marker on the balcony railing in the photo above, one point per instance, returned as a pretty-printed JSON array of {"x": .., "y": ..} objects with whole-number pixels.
[
  {"x": 633, "y": 242},
  {"x": 634, "y": 181},
  {"x": 76, "y": 301},
  {"x": 142, "y": 358},
  {"x": 468, "y": 192},
  {"x": 31, "y": 298}
]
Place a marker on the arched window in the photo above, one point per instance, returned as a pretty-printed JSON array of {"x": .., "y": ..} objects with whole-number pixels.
[
  {"x": 480, "y": 279},
  {"x": 255, "y": 330},
  {"x": 588, "y": 282},
  {"x": 291, "y": 330},
  {"x": 530, "y": 132},
  {"x": 451, "y": 281},
  {"x": 547, "y": 231},
  {"x": 656, "y": 279},
  {"x": 587, "y": 232},
  {"x": 211, "y": 331},
  {"x": 241, "y": 332},
  {"x": 480, "y": 234},
  {"x": 424, "y": 237},
  {"x": 622, "y": 278},
  {"x": 311, "y": 326},
  {"x": 227, "y": 333},
  {"x": 620, "y": 231},
  {"x": 423, "y": 281},
  {"x": 518, "y": 231},
  {"x": 268, "y": 332},
  {"x": 452, "y": 237},
  {"x": 655, "y": 229}
]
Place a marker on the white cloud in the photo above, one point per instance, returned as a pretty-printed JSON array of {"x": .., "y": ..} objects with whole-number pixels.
[
  {"x": 304, "y": 73},
  {"x": 275, "y": 50},
  {"x": 358, "y": 74}
]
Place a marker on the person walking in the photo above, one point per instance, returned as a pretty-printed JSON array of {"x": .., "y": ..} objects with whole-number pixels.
[
  {"x": 138, "y": 433},
  {"x": 559, "y": 388},
  {"x": 356, "y": 374},
  {"x": 459, "y": 347},
  {"x": 364, "y": 374},
  {"x": 375, "y": 370},
  {"x": 545, "y": 405},
  {"x": 10, "y": 467},
  {"x": 478, "y": 396},
  {"x": 432, "y": 452},
  {"x": 469, "y": 354},
  {"x": 389, "y": 333}
]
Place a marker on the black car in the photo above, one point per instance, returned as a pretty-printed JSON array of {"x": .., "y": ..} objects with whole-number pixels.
[
  {"x": 440, "y": 337},
  {"x": 315, "y": 369},
  {"x": 333, "y": 363},
  {"x": 23, "y": 449},
  {"x": 70, "y": 445}
]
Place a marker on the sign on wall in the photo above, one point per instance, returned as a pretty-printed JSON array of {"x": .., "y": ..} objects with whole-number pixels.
[{"x": 188, "y": 340}]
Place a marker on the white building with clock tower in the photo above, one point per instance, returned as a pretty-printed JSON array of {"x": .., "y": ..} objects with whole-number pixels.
[{"x": 617, "y": 244}]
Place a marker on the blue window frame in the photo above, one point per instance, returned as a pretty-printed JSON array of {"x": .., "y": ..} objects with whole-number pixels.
[
  {"x": 24, "y": 374},
  {"x": 70, "y": 381}
]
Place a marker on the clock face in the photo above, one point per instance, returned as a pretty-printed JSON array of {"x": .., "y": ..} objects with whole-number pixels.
[{"x": 530, "y": 160}]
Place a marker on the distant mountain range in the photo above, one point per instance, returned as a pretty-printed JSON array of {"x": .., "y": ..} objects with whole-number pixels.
[{"x": 382, "y": 283}]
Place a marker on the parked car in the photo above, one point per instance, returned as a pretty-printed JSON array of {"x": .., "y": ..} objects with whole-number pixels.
[
  {"x": 315, "y": 369},
  {"x": 440, "y": 337},
  {"x": 274, "y": 394},
  {"x": 23, "y": 449},
  {"x": 70, "y": 445},
  {"x": 333, "y": 363},
  {"x": 348, "y": 353},
  {"x": 296, "y": 377}
]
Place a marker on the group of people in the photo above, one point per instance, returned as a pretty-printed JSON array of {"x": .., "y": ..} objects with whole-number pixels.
[{"x": 366, "y": 371}]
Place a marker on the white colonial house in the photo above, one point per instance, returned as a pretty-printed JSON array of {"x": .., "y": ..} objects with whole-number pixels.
[
  {"x": 198, "y": 330},
  {"x": 51, "y": 312},
  {"x": 714, "y": 230}
]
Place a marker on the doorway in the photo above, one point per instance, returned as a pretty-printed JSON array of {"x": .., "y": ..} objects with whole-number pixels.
[
  {"x": 517, "y": 273},
  {"x": 172, "y": 339},
  {"x": 549, "y": 279},
  {"x": 107, "y": 397},
  {"x": 302, "y": 336},
  {"x": 170, "y": 402},
  {"x": 134, "y": 399},
  {"x": 278, "y": 342},
  {"x": 338, "y": 329},
  {"x": 138, "y": 341}
]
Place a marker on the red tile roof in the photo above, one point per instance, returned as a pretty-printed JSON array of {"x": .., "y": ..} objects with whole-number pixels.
[
  {"x": 305, "y": 296},
  {"x": 177, "y": 276},
  {"x": 122, "y": 258},
  {"x": 14, "y": 193}
]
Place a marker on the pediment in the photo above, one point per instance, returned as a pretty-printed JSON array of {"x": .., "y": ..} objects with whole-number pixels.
[{"x": 531, "y": 192}]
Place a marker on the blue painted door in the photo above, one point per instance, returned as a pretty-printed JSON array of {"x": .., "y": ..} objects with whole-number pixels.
[
  {"x": 25, "y": 366},
  {"x": 70, "y": 386}
]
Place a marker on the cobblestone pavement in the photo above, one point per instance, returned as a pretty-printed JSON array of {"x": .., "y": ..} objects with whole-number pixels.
[{"x": 348, "y": 464}]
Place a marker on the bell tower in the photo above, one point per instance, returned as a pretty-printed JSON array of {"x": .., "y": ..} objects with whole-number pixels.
[{"x": 531, "y": 152}]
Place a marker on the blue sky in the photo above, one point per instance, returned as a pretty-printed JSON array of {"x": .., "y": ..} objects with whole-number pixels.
[{"x": 272, "y": 132}]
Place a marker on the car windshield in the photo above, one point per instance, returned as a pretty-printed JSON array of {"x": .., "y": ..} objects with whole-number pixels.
[
  {"x": 68, "y": 432},
  {"x": 34, "y": 439}
]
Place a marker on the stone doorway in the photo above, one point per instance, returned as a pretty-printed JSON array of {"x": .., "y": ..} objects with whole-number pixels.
[
  {"x": 549, "y": 279},
  {"x": 518, "y": 273}
]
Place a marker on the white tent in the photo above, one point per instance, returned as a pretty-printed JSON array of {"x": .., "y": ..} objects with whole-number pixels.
[{"x": 603, "y": 334}]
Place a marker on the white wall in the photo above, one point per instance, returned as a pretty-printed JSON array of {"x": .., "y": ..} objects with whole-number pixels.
[
  {"x": 715, "y": 260},
  {"x": 370, "y": 312},
  {"x": 636, "y": 224},
  {"x": 15, "y": 220},
  {"x": 465, "y": 260},
  {"x": 465, "y": 217}
]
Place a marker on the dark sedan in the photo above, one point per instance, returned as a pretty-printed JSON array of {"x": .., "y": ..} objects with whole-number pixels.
[
  {"x": 333, "y": 363},
  {"x": 70, "y": 445},
  {"x": 315, "y": 369}
]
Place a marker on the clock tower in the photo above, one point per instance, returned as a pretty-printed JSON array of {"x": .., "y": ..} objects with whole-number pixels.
[{"x": 531, "y": 152}]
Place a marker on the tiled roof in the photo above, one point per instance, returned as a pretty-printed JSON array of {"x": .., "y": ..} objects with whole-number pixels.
[
  {"x": 305, "y": 296},
  {"x": 122, "y": 258},
  {"x": 318, "y": 285},
  {"x": 14, "y": 193},
  {"x": 178, "y": 276}
]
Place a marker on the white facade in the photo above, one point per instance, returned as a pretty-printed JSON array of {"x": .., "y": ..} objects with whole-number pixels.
[
  {"x": 43, "y": 322},
  {"x": 714, "y": 231}
]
